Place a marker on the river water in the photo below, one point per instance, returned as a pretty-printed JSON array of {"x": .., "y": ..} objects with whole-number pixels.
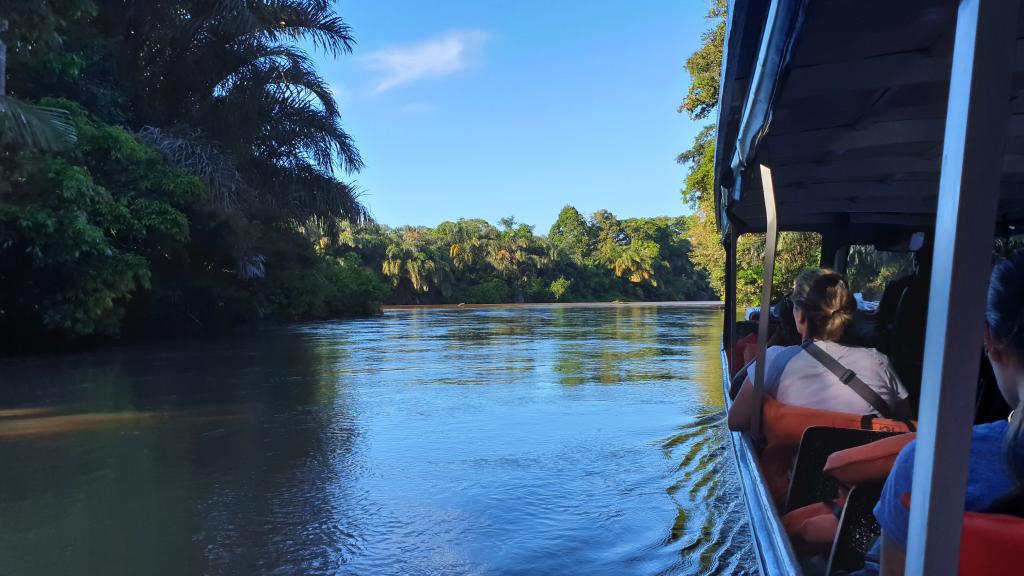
[{"x": 536, "y": 440}]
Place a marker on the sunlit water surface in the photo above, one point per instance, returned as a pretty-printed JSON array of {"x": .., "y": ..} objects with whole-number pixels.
[{"x": 554, "y": 440}]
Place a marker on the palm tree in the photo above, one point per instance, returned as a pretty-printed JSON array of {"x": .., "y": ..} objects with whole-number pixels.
[
  {"x": 636, "y": 262},
  {"x": 468, "y": 241},
  {"x": 227, "y": 75},
  {"x": 27, "y": 125},
  {"x": 411, "y": 263},
  {"x": 517, "y": 253}
]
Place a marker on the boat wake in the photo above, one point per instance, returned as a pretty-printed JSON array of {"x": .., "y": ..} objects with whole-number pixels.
[{"x": 710, "y": 529}]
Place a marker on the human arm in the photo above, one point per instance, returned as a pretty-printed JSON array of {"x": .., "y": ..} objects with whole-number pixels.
[
  {"x": 894, "y": 557},
  {"x": 742, "y": 408},
  {"x": 893, "y": 512}
]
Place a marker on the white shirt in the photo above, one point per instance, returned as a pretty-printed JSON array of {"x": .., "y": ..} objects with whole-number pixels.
[{"x": 806, "y": 382}]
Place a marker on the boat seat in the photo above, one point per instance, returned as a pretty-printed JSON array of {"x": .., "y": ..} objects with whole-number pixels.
[
  {"x": 858, "y": 530},
  {"x": 810, "y": 484},
  {"x": 991, "y": 544},
  {"x": 783, "y": 428},
  {"x": 907, "y": 344}
]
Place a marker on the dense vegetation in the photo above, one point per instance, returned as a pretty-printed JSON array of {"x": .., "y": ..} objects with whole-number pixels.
[
  {"x": 796, "y": 251},
  {"x": 176, "y": 167},
  {"x": 158, "y": 161},
  {"x": 471, "y": 261}
]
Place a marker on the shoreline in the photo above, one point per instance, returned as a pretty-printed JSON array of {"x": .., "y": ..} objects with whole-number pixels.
[{"x": 663, "y": 304}]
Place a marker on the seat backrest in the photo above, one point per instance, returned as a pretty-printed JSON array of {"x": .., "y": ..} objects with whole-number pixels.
[
  {"x": 857, "y": 531},
  {"x": 810, "y": 483},
  {"x": 783, "y": 428},
  {"x": 907, "y": 346},
  {"x": 991, "y": 544}
]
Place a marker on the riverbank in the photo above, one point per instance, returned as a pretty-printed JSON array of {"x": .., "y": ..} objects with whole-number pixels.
[{"x": 675, "y": 304}]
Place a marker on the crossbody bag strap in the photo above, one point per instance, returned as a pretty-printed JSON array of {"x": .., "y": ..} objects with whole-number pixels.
[{"x": 850, "y": 378}]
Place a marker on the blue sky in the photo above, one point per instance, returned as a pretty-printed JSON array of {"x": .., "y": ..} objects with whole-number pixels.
[{"x": 487, "y": 108}]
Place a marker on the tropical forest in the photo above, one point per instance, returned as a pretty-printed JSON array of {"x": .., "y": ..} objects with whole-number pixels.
[{"x": 184, "y": 167}]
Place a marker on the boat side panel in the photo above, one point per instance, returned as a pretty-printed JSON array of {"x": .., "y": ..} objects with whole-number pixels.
[{"x": 774, "y": 551}]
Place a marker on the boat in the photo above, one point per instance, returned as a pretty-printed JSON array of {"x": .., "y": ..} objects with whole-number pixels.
[{"x": 876, "y": 122}]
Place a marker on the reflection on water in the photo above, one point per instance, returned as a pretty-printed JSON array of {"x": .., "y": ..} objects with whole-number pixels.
[{"x": 488, "y": 441}]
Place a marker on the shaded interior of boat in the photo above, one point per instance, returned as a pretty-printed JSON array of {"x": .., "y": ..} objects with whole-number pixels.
[{"x": 835, "y": 118}]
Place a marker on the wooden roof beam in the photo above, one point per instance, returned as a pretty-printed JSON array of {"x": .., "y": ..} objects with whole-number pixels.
[{"x": 899, "y": 69}]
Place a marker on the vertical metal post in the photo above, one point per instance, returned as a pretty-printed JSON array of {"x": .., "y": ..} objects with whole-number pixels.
[
  {"x": 972, "y": 160},
  {"x": 840, "y": 258},
  {"x": 771, "y": 234},
  {"x": 729, "y": 331}
]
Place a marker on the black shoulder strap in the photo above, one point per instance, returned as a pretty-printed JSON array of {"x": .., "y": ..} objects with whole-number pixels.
[{"x": 850, "y": 378}]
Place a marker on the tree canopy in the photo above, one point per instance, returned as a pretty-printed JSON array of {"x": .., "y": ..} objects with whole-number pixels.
[
  {"x": 208, "y": 147},
  {"x": 472, "y": 261},
  {"x": 796, "y": 251}
]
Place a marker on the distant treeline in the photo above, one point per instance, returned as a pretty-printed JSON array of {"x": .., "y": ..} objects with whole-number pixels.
[{"x": 471, "y": 261}]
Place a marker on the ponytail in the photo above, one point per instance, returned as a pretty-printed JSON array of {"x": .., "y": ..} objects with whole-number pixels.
[{"x": 827, "y": 304}]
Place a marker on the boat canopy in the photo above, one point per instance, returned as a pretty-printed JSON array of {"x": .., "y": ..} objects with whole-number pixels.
[
  {"x": 846, "y": 102},
  {"x": 863, "y": 118}
]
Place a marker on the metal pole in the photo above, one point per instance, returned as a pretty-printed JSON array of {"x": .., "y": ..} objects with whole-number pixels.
[
  {"x": 770, "y": 237},
  {"x": 729, "y": 335},
  {"x": 840, "y": 257},
  {"x": 972, "y": 160}
]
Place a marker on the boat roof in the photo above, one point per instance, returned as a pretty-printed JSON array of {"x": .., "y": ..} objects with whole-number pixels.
[{"x": 846, "y": 103}]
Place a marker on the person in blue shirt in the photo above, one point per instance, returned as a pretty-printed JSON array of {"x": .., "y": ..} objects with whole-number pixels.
[{"x": 996, "y": 464}]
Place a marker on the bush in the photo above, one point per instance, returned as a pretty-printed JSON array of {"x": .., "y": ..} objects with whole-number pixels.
[
  {"x": 538, "y": 291},
  {"x": 490, "y": 291},
  {"x": 560, "y": 287}
]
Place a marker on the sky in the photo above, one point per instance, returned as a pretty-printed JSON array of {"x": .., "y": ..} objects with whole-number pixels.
[{"x": 492, "y": 108}]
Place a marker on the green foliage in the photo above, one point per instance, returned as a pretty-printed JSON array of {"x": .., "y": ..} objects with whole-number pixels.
[
  {"x": 572, "y": 235},
  {"x": 560, "y": 286},
  {"x": 323, "y": 287},
  {"x": 796, "y": 251},
  {"x": 869, "y": 270},
  {"x": 492, "y": 290},
  {"x": 705, "y": 66},
  {"x": 62, "y": 270},
  {"x": 473, "y": 262},
  {"x": 201, "y": 191},
  {"x": 88, "y": 221}
]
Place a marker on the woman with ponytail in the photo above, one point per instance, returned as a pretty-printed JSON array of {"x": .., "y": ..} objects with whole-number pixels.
[
  {"x": 996, "y": 467},
  {"x": 823, "y": 373}
]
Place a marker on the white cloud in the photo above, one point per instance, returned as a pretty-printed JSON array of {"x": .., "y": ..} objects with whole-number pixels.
[{"x": 437, "y": 57}]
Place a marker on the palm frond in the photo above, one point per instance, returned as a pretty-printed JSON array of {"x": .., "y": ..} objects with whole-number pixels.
[
  {"x": 189, "y": 152},
  {"x": 37, "y": 127},
  {"x": 299, "y": 19}
]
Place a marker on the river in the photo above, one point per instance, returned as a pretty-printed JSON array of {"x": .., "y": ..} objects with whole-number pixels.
[{"x": 530, "y": 440}]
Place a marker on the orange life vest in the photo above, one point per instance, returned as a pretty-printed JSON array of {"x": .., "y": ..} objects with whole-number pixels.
[
  {"x": 744, "y": 351},
  {"x": 783, "y": 427}
]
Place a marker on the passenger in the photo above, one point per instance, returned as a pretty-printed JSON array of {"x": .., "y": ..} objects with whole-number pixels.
[
  {"x": 996, "y": 467},
  {"x": 785, "y": 334},
  {"x": 808, "y": 374}
]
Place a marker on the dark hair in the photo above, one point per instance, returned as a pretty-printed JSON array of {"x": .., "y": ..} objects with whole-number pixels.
[
  {"x": 1004, "y": 314},
  {"x": 826, "y": 301},
  {"x": 786, "y": 334},
  {"x": 1004, "y": 311}
]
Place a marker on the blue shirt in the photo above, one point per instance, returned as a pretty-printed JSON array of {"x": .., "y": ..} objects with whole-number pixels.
[{"x": 988, "y": 479}]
